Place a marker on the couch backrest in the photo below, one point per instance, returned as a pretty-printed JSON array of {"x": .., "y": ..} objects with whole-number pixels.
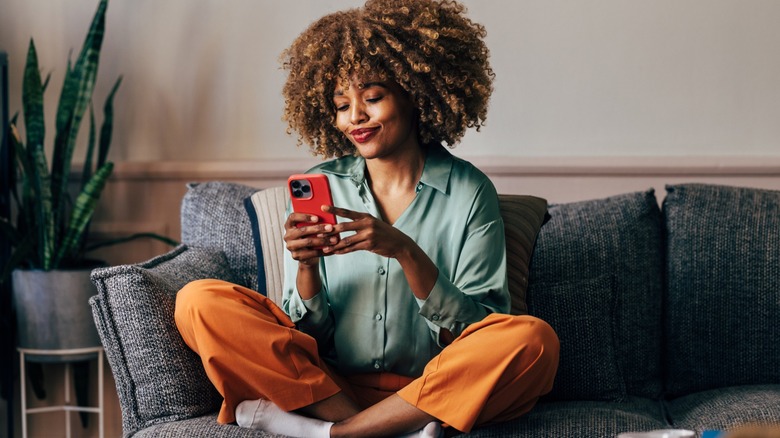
[{"x": 723, "y": 292}]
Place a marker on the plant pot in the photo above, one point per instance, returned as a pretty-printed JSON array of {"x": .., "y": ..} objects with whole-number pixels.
[{"x": 53, "y": 312}]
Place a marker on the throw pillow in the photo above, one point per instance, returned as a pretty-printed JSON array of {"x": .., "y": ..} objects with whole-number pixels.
[
  {"x": 723, "y": 287},
  {"x": 266, "y": 209},
  {"x": 158, "y": 378},
  {"x": 619, "y": 236},
  {"x": 523, "y": 217},
  {"x": 581, "y": 313},
  {"x": 213, "y": 216}
]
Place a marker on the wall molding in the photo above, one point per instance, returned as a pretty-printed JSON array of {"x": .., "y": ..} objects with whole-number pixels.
[{"x": 498, "y": 166}]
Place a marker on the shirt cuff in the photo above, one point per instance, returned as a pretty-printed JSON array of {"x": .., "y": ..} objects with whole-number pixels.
[
  {"x": 440, "y": 308},
  {"x": 314, "y": 310}
]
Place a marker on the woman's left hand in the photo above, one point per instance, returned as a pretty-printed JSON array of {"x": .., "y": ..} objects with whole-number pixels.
[{"x": 371, "y": 234}]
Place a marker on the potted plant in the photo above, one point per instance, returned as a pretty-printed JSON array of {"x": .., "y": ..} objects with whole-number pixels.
[{"x": 49, "y": 238}]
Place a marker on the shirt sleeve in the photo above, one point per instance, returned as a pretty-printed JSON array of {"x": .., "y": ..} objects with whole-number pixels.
[
  {"x": 478, "y": 286},
  {"x": 312, "y": 316}
]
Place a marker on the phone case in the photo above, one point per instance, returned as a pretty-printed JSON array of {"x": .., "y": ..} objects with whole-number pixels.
[{"x": 308, "y": 193}]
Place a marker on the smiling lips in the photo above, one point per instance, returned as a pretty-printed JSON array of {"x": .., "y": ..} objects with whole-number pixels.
[{"x": 362, "y": 135}]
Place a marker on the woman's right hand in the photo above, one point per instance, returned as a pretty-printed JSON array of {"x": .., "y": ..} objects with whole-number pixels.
[{"x": 305, "y": 242}]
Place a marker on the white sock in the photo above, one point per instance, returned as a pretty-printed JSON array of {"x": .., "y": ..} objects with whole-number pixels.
[
  {"x": 265, "y": 415},
  {"x": 431, "y": 430}
]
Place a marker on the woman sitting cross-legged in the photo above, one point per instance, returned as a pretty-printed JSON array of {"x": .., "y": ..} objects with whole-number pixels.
[{"x": 394, "y": 321}]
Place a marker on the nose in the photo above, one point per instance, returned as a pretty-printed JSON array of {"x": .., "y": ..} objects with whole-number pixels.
[{"x": 357, "y": 113}]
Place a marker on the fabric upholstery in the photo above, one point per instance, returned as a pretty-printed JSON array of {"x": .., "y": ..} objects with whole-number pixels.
[
  {"x": 582, "y": 314},
  {"x": 726, "y": 408},
  {"x": 266, "y": 210},
  {"x": 523, "y": 217},
  {"x": 618, "y": 236},
  {"x": 205, "y": 426},
  {"x": 723, "y": 289},
  {"x": 158, "y": 378},
  {"x": 581, "y": 419},
  {"x": 213, "y": 216}
]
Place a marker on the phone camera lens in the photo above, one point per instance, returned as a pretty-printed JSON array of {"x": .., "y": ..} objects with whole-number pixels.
[
  {"x": 297, "y": 193},
  {"x": 295, "y": 184},
  {"x": 306, "y": 189}
]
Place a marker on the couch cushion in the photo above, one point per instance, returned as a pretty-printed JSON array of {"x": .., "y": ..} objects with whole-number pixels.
[
  {"x": 726, "y": 408},
  {"x": 723, "y": 290},
  {"x": 619, "y": 236},
  {"x": 581, "y": 419},
  {"x": 158, "y": 378},
  {"x": 523, "y": 216},
  {"x": 266, "y": 210},
  {"x": 582, "y": 314},
  {"x": 205, "y": 426},
  {"x": 213, "y": 216}
]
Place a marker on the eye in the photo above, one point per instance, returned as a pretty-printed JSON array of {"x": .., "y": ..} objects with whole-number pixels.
[
  {"x": 341, "y": 108},
  {"x": 374, "y": 99}
]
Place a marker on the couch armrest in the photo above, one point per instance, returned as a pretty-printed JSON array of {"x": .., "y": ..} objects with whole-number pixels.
[{"x": 158, "y": 378}]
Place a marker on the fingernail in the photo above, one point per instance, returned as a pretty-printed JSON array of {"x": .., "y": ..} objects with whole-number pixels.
[
  {"x": 313, "y": 218},
  {"x": 333, "y": 240},
  {"x": 329, "y": 227}
]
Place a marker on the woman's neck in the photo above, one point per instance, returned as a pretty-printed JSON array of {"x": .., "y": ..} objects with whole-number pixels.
[{"x": 396, "y": 175}]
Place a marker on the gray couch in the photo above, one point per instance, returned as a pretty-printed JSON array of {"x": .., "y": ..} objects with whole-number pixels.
[{"x": 667, "y": 317}]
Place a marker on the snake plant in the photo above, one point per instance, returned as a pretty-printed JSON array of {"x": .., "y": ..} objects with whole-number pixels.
[{"x": 51, "y": 229}]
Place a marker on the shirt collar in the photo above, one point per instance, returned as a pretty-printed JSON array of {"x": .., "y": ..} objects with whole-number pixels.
[{"x": 436, "y": 173}]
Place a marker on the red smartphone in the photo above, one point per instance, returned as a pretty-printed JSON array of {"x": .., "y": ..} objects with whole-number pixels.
[{"x": 308, "y": 193}]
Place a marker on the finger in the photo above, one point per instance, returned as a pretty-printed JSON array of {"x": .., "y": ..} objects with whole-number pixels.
[
  {"x": 321, "y": 230},
  {"x": 298, "y": 218},
  {"x": 341, "y": 249},
  {"x": 343, "y": 212},
  {"x": 346, "y": 242},
  {"x": 310, "y": 243}
]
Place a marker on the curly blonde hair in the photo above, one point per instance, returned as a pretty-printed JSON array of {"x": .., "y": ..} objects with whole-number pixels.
[{"x": 428, "y": 47}]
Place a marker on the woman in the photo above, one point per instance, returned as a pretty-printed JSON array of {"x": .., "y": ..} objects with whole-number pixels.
[{"x": 394, "y": 320}]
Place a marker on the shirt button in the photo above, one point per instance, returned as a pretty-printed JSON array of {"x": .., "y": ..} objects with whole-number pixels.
[
  {"x": 377, "y": 365},
  {"x": 298, "y": 313},
  {"x": 378, "y": 317},
  {"x": 381, "y": 271},
  {"x": 435, "y": 317},
  {"x": 419, "y": 186}
]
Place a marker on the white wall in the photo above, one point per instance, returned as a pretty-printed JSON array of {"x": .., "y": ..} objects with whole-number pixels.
[{"x": 575, "y": 78}]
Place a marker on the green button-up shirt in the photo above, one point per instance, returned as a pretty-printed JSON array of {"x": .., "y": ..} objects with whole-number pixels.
[{"x": 366, "y": 318}]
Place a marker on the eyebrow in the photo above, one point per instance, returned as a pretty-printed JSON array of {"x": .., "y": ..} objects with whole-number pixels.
[{"x": 367, "y": 85}]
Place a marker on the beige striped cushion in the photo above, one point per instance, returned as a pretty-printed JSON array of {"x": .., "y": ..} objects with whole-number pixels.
[
  {"x": 270, "y": 206},
  {"x": 523, "y": 217}
]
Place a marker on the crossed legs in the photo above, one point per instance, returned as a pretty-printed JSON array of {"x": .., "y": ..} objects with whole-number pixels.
[{"x": 252, "y": 352}]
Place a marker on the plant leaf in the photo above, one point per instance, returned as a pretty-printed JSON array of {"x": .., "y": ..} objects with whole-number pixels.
[
  {"x": 86, "y": 174},
  {"x": 46, "y": 225},
  {"x": 108, "y": 124},
  {"x": 82, "y": 212},
  {"x": 32, "y": 100},
  {"x": 84, "y": 73}
]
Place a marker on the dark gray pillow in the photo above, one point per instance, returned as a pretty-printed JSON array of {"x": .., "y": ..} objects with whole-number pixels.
[
  {"x": 158, "y": 377},
  {"x": 618, "y": 236},
  {"x": 581, "y": 313},
  {"x": 723, "y": 291}
]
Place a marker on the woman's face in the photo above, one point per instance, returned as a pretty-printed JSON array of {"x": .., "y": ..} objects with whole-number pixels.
[{"x": 376, "y": 116}]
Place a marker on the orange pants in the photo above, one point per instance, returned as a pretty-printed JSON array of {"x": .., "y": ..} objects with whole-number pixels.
[{"x": 494, "y": 371}]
